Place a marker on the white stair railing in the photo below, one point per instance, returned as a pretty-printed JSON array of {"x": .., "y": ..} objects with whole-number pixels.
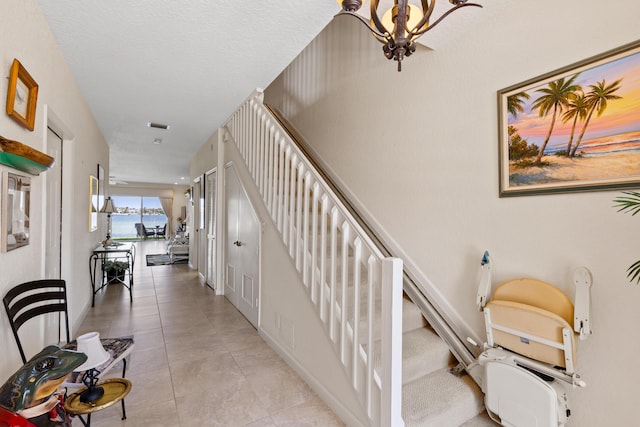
[{"x": 355, "y": 289}]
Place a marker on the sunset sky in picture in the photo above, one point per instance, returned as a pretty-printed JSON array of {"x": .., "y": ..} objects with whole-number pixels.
[{"x": 621, "y": 116}]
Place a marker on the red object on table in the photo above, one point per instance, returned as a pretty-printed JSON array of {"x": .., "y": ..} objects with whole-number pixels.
[{"x": 10, "y": 419}]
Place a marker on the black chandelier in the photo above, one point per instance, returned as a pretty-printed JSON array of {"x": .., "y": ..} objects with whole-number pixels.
[{"x": 400, "y": 26}]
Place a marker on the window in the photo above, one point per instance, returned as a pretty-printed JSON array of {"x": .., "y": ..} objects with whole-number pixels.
[{"x": 135, "y": 209}]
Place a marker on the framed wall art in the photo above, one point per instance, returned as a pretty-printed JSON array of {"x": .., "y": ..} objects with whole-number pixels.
[
  {"x": 573, "y": 129},
  {"x": 16, "y": 206},
  {"x": 22, "y": 96}
]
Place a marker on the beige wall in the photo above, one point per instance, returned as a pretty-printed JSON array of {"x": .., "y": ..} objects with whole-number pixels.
[
  {"x": 26, "y": 36},
  {"x": 418, "y": 149}
]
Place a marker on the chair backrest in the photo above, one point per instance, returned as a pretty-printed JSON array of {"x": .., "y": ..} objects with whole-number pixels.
[
  {"x": 32, "y": 299},
  {"x": 531, "y": 317},
  {"x": 146, "y": 232},
  {"x": 538, "y": 294},
  {"x": 139, "y": 229}
]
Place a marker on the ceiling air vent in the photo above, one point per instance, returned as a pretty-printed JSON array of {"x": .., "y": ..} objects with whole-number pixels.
[{"x": 158, "y": 125}]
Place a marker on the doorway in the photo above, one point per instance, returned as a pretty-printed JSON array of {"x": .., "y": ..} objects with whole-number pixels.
[
  {"x": 242, "y": 249},
  {"x": 200, "y": 239}
]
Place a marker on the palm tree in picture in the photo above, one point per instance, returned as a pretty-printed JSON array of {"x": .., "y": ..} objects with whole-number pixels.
[
  {"x": 577, "y": 110},
  {"x": 515, "y": 103},
  {"x": 555, "y": 98},
  {"x": 597, "y": 101}
]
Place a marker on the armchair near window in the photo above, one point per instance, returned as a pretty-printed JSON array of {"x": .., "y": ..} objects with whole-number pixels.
[{"x": 142, "y": 231}]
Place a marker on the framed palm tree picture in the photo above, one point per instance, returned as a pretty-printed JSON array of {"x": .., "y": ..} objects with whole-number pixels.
[{"x": 573, "y": 129}]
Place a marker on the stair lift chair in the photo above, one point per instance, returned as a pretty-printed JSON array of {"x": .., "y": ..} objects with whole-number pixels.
[{"x": 531, "y": 347}]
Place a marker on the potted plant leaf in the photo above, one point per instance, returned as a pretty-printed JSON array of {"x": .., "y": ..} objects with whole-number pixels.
[
  {"x": 115, "y": 270},
  {"x": 629, "y": 202}
]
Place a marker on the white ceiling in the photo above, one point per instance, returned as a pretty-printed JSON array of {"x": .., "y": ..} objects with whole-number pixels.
[{"x": 185, "y": 63}]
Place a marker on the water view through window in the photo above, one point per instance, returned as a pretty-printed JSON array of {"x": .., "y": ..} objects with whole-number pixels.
[{"x": 131, "y": 210}]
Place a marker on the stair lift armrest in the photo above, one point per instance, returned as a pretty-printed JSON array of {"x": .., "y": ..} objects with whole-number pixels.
[
  {"x": 582, "y": 279},
  {"x": 484, "y": 284}
]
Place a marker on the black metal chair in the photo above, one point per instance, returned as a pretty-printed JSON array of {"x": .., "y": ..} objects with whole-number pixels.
[
  {"x": 32, "y": 299},
  {"x": 142, "y": 231}
]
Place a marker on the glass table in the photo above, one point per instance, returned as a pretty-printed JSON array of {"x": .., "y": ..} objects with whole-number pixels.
[{"x": 116, "y": 266}]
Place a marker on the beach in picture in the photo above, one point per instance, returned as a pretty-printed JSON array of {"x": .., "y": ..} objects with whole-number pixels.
[{"x": 577, "y": 130}]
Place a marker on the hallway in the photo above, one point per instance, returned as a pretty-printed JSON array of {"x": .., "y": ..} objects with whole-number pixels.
[{"x": 196, "y": 361}]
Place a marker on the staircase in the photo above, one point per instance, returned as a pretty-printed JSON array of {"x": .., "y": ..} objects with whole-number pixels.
[{"x": 396, "y": 361}]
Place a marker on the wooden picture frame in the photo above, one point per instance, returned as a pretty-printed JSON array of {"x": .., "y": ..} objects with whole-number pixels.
[
  {"x": 573, "y": 129},
  {"x": 16, "y": 211},
  {"x": 22, "y": 96}
]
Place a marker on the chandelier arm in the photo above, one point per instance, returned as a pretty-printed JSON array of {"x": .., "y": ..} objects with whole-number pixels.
[
  {"x": 376, "y": 19},
  {"x": 375, "y": 31},
  {"x": 427, "y": 15},
  {"x": 444, "y": 15}
]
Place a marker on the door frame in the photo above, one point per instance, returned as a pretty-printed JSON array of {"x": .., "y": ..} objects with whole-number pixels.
[
  {"x": 51, "y": 120},
  {"x": 212, "y": 207},
  {"x": 199, "y": 224},
  {"x": 59, "y": 164}
]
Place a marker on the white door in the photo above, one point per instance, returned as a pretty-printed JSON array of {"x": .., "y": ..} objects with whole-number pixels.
[
  {"x": 210, "y": 200},
  {"x": 242, "y": 272},
  {"x": 53, "y": 252},
  {"x": 53, "y": 322}
]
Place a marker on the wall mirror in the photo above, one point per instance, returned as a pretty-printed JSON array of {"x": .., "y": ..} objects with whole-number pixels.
[
  {"x": 93, "y": 203},
  {"x": 16, "y": 204}
]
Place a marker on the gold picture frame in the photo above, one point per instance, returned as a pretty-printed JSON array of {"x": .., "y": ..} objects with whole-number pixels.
[{"x": 22, "y": 96}]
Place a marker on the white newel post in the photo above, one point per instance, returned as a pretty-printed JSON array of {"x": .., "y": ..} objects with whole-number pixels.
[{"x": 391, "y": 393}]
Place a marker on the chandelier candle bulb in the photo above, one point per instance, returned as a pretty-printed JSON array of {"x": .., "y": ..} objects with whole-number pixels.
[{"x": 400, "y": 26}]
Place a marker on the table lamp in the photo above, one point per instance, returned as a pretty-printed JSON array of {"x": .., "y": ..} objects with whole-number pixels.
[
  {"x": 108, "y": 208},
  {"x": 90, "y": 345}
]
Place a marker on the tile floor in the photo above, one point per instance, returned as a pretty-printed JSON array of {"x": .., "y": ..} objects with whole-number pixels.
[{"x": 196, "y": 361}]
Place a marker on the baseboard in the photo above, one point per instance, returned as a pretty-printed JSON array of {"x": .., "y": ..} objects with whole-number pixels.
[
  {"x": 336, "y": 406},
  {"x": 75, "y": 326}
]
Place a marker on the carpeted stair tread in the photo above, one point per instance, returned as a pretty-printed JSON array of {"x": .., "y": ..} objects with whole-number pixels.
[
  {"x": 481, "y": 420},
  {"x": 423, "y": 352},
  {"x": 411, "y": 319},
  {"x": 411, "y": 316},
  {"x": 440, "y": 399}
]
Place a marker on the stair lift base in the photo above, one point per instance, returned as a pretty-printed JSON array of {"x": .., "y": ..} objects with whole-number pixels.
[{"x": 515, "y": 396}]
